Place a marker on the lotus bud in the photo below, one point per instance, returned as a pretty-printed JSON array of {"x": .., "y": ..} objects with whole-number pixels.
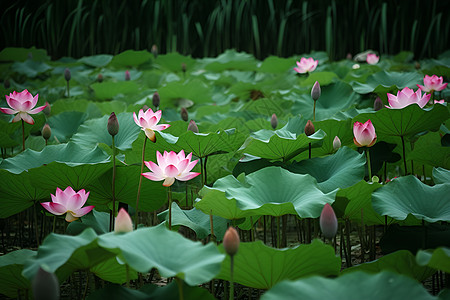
[
  {"x": 377, "y": 104},
  {"x": 328, "y": 222},
  {"x": 67, "y": 74},
  {"x": 349, "y": 56},
  {"x": 123, "y": 222},
  {"x": 45, "y": 285},
  {"x": 6, "y": 84},
  {"x": 155, "y": 51},
  {"x": 156, "y": 100},
  {"x": 231, "y": 241},
  {"x": 192, "y": 126},
  {"x": 309, "y": 128},
  {"x": 113, "y": 124},
  {"x": 336, "y": 143},
  {"x": 100, "y": 78},
  {"x": 183, "y": 67},
  {"x": 274, "y": 121},
  {"x": 315, "y": 91},
  {"x": 145, "y": 107},
  {"x": 46, "y": 132},
  {"x": 127, "y": 75},
  {"x": 184, "y": 114},
  {"x": 47, "y": 110}
]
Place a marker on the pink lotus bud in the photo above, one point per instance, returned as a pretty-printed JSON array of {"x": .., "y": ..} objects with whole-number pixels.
[
  {"x": 100, "y": 78},
  {"x": 364, "y": 134},
  {"x": 127, "y": 75},
  {"x": 184, "y": 114},
  {"x": 328, "y": 222},
  {"x": 113, "y": 124},
  {"x": 46, "y": 132},
  {"x": 156, "y": 100},
  {"x": 47, "y": 110},
  {"x": 231, "y": 241},
  {"x": 45, "y": 286},
  {"x": 315, "y": 91},
  {"x": 336, "y": 143},
  {"x": 67, "y": 74},
  {"x": 372, "y": 59},
  {"x": 155, "y": 51},
  {"x": 123, "y": 222},
  {"x": 192, "y": 126},
  {"x": 183, "y": 67},
  {"x": 274, "y": 121},
  {"x": 309, "y": 128},
  {"x": 377, "y": 104},
  {"x": 6, "y": 84}
]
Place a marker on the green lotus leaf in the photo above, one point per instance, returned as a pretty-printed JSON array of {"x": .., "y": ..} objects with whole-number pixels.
[
  {"x": 11, "y": 265},
  {"x": 194, "y": 90},
  {"x": 231, "y": 60},
  {"x": 259, "y": 266},
  {"x": 173, "y": 61},
  {"x": 340, "y": 170},
  {"x": 108, "y": 89},
  {"x": 270, "y": 191},
  {"x": 275, "y": 64},
  {"x": 99, "y": 221},
  {"x": 169, "y": 252},
  {"x": 408, "y": 195},
  {"x": 441, "y": 175},
  {"x": 323, "y": 77},
  {"x": 353, "y": 286},
  {"x": 438, "y": 259},
  {"x": 65, "y": 124},
  {"x": 21, "y": 54},
  {"x": 384, "y": 81},
  {"x": 197, "y": 221},
  {"x": 95, "y": 131},
  {"x": 131, "y": 58},
  {"x": 30, "y": 68},
  {"x": 401, "y": 262},
  {"x": 97, "y": 61},
  {"x": 428, "y": 150}
]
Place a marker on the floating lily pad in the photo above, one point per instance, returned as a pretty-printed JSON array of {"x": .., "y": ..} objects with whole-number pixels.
[{"x": 11, "y": 265}]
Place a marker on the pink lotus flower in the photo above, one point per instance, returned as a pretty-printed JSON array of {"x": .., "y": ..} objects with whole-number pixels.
[
  {"x": 372, "y": 59},
  {"x": 123, "y": 222},
  {"x": 432, "y": 83},
  {"x": 68, "y": 202},
  {"x": 328, "y": 222},
  {"x": 22, "y": 104},
  {"x": 306, "y": 65},
  {"x": 407, "y": 97},
  {"x": 171, "y": 166},
  {"x": 364, "y": 134},
  {"x": 439, "y": 101},
  {"x": 148, "y": 121}
]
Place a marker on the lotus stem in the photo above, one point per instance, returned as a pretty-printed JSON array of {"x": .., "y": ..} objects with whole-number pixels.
[
  {"x": 140, "y": 184},
  {"x": 113, "y": 188},
  {"x": 278, "y": 232},
  {"x": 23, "y": 135},
  {"x": 204, "y": 170},
  {"x": 87, "y": 277},
  {"x": 213, "y": 237},
  {"x": 180, "y": 288},
  {"x": 170, "y": 208},
  {"x": 231, "y": 277},
  {"x": 36, "y": 224},
  {"x": 127, "y": 269},
  {"x": 68, "y": 90},
  {"x": 54, "y": 224},
  {"x": 404, "y": 154},
  {"x": 368, "y": 164},
  {"x": 201, "y": 168},
  {"x": 309, "y": 148}
]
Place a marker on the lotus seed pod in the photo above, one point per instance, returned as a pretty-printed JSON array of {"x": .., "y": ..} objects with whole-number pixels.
[
  {"x": 183, "y": 67},
  {"x": 231, "y": 241},
  {"x": 315, "y": 91},
  {"x": 7, "y": 84},
  {"x": 113, "y": 124},
  {"x": 100, "y": 78},
  {"x": 156, "y": 100},
  {"x": 184, "y": 114},
  {"x": 192, "y": 126},
  {"x": 123, "y": 222},
  {"x": 145, "y": 107},
  {"x": 67, "y": 74},
  {"x": 328, "y": 222},
  {"x": 274, "y": 121},
  {"x": 46, "y": 132},
  {"x": 336, "y": 143},
  {"x": 309, "y": 128},
  {"x": 377, "y": 104},
  {"x": 47, "y": 110},
  {"x": 155, "y": 51},
  {"x": 45, "y": 285},
  {"x": 127, "y": 75}
]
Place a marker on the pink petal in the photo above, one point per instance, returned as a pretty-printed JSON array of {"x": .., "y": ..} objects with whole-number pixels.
[
  {"x": 152, "y": 122},
  {"x": 123, "y": 222},
  {"x": 26, "y": 117},
  {"x": 54, "y": 208},
  {"x": 172, "y": 159},
  {"x": 161, "y": 160},
  {"x": 74, "y": 202},
  {"x": 136, "y": 120},
  {"x": 161, "y": 127},
  {"x": 37, "y": 109},
  {"x": 153, "y": 176},
  {"x": 188, "y": 176},
  {"x": 154, "y": 168},
  {"x": 13, "y": 103},
  {"x": 144, "y": 123},
  {"x": 8, "y": 111},
  {"x": 82, "y": 211},
  {"x": 171, "y": 171}
]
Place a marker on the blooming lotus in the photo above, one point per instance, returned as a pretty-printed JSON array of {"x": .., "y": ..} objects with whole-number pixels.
[
  {"x": 407, "y": 97},
  {"x": 372, "y": 59},
  {"x": 22, "y": 104},
  {"x": 68, "y": 202},
  {"x": 439, "y": 101},
  {"x": 306, "y": 65},
  {"x": 364, "y": 134},
  {"x": 432, "y": 83},
  {"x": 148, "y": 120},
  {"x": 171, "y": 166}
]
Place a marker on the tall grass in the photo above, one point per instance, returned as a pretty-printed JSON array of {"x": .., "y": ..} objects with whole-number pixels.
[{"x": 206, "y": 28}]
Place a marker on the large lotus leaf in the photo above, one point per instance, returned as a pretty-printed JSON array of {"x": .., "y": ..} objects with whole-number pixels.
[
  {"x": 263, "y": 108},
  {"x": 384, "y": 81},
  {"x": 194, "y": 90},
  {"x": 231, "y": 60},
  {"x": 108, "y": 89},
  {"x": 340, "y": 170},
  {"x": 96, "y": 60},
  {"x": 22, "y": 54},
  {"x": 169, "y": 252},
  {"x": 63, "y": 254},
  {"x": 352, "y": 286},
  {"x": 323, "y": 77},
  {"x": 11, "y": 266},
  {"x": 429, "y": 150},
  {"x": 407, "y": 121},
  {"x": 131, "y": 58},
  {"x": 65, "y": 124},
  {"x": 401, "y": 262},
  {"x": 153, "y": 194},
  {"x": 441, "y": 175},
  {"x": 334, "y": 98},
  {"x": 95, "y": 131},
  {"x": 438, "y": 259},
  {"x": 197, "y": 221},
  {"x": 30, "y": 68},
  {"x": 408, "y": 195},
  {"x": 99, "y": 221},
  {"x": 259, "y": 266},
  {"x": 270, "y": 191},
  {"x": 275, "y": 64},
  {"x": 17, "y": 193}
]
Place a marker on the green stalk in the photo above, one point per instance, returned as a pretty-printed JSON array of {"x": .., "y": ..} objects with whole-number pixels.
[
  {"x": 213, "y": 237},
  {"x": 140, "y": 183},
  {"x": 128, "y": 275},
  {"x": 404, "y": 154},
  {"x": 368, "y": 165},
  {"x": 278, "y": 232},
  {"x": 68, "y": 90},
  {"x": 180, "y": 288},
  {"x": 170, "y": 208},
  {"x": 231, "y": 277},
  {"x": 23, "y": 135}
]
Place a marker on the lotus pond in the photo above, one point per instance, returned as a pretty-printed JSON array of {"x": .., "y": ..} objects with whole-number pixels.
[{"x": 335, "y": 176}]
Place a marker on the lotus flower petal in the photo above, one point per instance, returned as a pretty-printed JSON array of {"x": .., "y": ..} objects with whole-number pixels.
[
  {"x": 123, "y": 222},
  {"x": 364, "y": 134},
  {"x": 306, "y": 65},
  {"x": 22, "y": 104},
  {"x": 407, "y": 97},
  {"x": 70, "y": 202},
  {"x": 432, "y": 83}
]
